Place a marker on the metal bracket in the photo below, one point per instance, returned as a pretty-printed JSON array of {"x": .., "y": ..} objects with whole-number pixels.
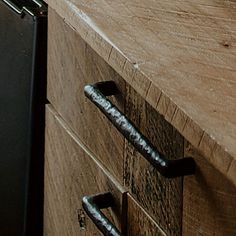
[{"x": 27, "y": 9}]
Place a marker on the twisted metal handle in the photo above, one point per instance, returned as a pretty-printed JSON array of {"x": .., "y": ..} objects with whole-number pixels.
[
  {"x": 93, "y": 205},
  {"x": 169, "y": 168}
]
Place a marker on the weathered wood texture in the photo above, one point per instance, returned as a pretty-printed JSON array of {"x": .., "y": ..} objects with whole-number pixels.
[
  {"x": 160, "y": 197},
  {"x": 71, "y": 65},
  {"x": 180, "y": 56},
  {"x": 71, "y": 172},
  {"x": 209, "y": 203},
  {"x": 139, "y": 222}
]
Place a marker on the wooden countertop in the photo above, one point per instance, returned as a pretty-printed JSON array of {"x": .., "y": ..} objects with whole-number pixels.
[{"x": 179, "y": 55}]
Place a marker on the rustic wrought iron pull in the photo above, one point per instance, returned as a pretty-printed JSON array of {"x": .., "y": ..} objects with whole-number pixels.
[
  {"x": 169, "y": 168},
  {"x": 93, "y": 205}
]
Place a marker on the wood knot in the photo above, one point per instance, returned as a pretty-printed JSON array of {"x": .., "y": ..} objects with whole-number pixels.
[{"x": 226, "y": 44}]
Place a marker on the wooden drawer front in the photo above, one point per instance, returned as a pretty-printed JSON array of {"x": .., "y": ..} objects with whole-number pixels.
[
  {"x": 209, "y": 203},
  {"x": 71, "y": 65},
  {"x": 160, "y": 197},
  {"x": 71, "y": 173},
  {"x": 139, "y": 222}
]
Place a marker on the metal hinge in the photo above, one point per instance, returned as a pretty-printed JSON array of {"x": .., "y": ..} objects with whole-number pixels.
[{"x": 38, "y": 7}]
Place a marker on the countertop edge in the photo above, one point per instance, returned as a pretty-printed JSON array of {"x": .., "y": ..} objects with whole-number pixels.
[{"x": 216, "y": 154}]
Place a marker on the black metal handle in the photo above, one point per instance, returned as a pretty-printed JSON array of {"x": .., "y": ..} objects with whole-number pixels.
[
  {"x": 93, "y": 205},
  {"x": 169, "y": 168}
]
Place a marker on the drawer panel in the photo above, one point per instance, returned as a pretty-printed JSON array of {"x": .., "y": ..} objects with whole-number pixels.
[
  {"x": 159, "y": 196},
  {"x": 71, "y": 173},
  {"x": 139, "y": 222},
  {"x": 209, "y": 201},
  {"x": 71, "y": 65}
]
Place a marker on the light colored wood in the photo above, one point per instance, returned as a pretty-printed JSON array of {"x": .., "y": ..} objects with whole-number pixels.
[
  {"x": 159, "y": 196},
  {"x": 209, "y": 202},
  {"x": 72, "y": 64},
  {"x": 183, "y": 50},
  {"x": 139, "y": 223},
  {"x": 71, "y": 172}
]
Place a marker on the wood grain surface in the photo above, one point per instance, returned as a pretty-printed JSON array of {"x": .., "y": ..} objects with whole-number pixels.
[
  {"x": 209, "y": 203},
  {"x": 71, "y": 172},
  {"x": 72, "y": 64},
  {"x": 179, "y": 55},
  {"x": 139, "y": 223},
  {"x": 160, "y": 197}
]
